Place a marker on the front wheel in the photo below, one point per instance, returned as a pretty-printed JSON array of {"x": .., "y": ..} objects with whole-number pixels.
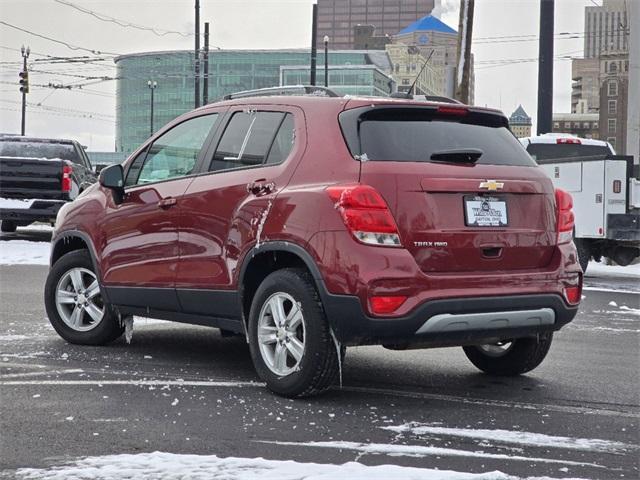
[
  {"x": 8, "y": 226},
  {"x": 74, "y": 302},
  {"x": 289, "y": 337},
  {"x": 510, "y": 357}
]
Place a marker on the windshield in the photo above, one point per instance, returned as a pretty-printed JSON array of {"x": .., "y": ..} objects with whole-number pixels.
[
  {"x": 544, "y": 151},
  {"x": 65, "y": 151},
  {"x": 417, "y": 141}
]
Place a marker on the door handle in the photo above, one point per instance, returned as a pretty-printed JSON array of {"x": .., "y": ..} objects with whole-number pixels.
[
  {"x": 261, "y": 187},
  {"x": 167, "y": 202}
]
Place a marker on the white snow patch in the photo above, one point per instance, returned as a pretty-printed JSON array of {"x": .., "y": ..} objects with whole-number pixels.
[
  {"x": 169, "y": 466},
  {"x": 128, "y": 328},
  {"x": 23, "y": 252},
  {"x": 423, "y": 451},
  {"x": 613, "y": 304},
  {"x": 515, "y": 437},
  {"x": 597, "y": 269}
]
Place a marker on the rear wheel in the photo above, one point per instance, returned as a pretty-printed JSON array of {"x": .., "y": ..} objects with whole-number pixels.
[
  {"x": 510, "y": 357},
  {"x": 584, "y": 253},
  {"x": 8, "y": 226},
  {"x": 289, "y": 336},
  {"x": 74, "y": 302}
]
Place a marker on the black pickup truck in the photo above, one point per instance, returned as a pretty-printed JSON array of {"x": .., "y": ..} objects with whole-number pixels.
[{"x": 37, "y": 176}]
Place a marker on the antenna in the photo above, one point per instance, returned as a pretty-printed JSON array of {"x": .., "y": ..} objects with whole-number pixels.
[{"x": 420, "y": 72}]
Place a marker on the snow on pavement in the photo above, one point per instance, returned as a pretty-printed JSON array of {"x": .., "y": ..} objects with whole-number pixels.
[
  {"x": 169, "y": 466},
  {"x": 514, "y": 437},
  {"x": 597, "y": 269},
  {"x": 24, "y": 252}
]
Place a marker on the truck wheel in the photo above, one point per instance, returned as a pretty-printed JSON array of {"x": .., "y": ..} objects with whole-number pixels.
[
  {"x": 584, "y": 253},
  {"x": 289, "y": 337},
  {"x": 74, "y": 303},
  {"x": 8, "y": 226},
  {"x": 510, "y": 357}
]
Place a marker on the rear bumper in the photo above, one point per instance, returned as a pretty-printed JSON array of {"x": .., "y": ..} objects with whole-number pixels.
[
  {"x": 623, "y": 226},
  {"x": 456, "y": 321},
  {"x": 40, "y": 210}
]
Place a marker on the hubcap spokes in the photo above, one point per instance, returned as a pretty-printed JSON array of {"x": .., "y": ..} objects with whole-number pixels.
[
  {"x": 78, "y": 299},
  {"x": 281, "y": 334}
]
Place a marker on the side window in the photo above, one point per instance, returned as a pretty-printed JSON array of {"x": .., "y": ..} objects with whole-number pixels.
[
  {"x": 283, "y": 143},
  {"x": 246, "y": 140},
  {"x": 175, "y": 153}
]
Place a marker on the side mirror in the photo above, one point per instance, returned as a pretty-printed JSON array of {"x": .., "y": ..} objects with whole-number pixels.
[{"x": 112, "y": 177}]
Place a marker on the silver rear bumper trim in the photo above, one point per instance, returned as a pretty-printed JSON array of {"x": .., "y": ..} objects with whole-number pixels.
[{"x": 447, "y": 322}]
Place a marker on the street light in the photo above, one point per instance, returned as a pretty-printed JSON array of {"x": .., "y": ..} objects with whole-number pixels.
[
  {"x": 152, "y": 86},
  {"x": 326, "y": 60}
]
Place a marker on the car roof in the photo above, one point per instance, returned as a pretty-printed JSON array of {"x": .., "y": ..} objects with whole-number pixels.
[
  {"x": 18, "y": 138},
  {"x": 340, "y": 103}
]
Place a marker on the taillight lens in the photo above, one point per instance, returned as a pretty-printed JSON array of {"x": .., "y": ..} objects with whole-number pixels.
[
  {"x": 382, "y": 305},
  {"x": 565, "y": 219},
  {"x": 366, "y": 214},
  {"x": 573, "y": 295},
  {"x": 67, "y": 170}
]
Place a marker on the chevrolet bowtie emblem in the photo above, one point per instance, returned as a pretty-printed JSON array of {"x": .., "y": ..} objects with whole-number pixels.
[{"x": 491, "y": 185}]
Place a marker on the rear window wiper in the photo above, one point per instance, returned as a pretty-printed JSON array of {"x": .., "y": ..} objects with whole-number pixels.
[{"x": 461, "y": 155}]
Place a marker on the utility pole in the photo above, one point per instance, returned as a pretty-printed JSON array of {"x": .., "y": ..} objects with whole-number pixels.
[
  {"x": 197, "y": 57},
  {"x": 326, "y": 60},
  {"x": 152, "y": 84},
  {"x": 24, "y": 86},
  {"x": 314, "y": 50},
  {"x": 545, "y": 67},
  {"x": 463, "y": 71},
  {"x": 205, "y": 87},
  {"x": 633, "y": 114}
]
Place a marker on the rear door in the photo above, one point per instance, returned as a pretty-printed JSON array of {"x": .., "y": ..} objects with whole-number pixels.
[
  {"x": 224, "y": 211},
  {"x": 464, "y": 192},
  {"x": 142, "y": 233}
]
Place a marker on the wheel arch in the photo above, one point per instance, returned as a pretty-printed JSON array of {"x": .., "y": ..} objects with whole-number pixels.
[{"x": 261, "y": 261}]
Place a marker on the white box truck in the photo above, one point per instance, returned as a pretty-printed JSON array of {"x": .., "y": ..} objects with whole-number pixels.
[{"x": 605, "y": 190}]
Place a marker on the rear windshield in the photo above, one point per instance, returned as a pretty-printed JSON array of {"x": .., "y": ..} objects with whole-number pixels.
[
  {"x": 410, "y": 136},
  {"x": 544, "y": 151},
  {"x": 38, "y": 150}
]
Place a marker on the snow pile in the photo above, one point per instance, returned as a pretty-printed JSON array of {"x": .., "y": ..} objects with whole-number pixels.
[
  {"x": 23, "y": 252},
  {"x": 596, "y": 269},
  {"x": 16, "y": 203},
  {"x": 168, "y": 466},
  {"x": 513, "y": 437}
]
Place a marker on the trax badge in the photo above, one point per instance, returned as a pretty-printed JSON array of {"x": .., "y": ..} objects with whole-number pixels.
[{"x": 491, "y": 185}]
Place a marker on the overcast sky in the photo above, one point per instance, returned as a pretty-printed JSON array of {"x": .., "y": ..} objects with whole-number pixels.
[{"x": 243, "y": 24}]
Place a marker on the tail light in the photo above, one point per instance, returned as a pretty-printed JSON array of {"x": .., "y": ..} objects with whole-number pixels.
[
  {"x": 366, "y": 214},
  {"x": 565, "y": 219},
  {"x": 459, "y": 111},
  {"x": 67, "y": 170},
  {"x": 561, "y": 141}
]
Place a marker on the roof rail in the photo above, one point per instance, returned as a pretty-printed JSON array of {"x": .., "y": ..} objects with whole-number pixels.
[
  {"x": 286, "y": 91},
  {"x": 424, "y": 98}
]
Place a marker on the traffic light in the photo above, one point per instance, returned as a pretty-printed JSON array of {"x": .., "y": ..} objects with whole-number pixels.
[{"x": 24, "y": 81}]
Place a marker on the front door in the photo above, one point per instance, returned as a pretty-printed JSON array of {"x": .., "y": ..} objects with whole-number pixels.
[{"x": 141, "y": 233}]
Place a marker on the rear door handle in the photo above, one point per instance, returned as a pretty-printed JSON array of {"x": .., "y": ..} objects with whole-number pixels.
[
  {"x": 261, "y": 187},
  {"x": 167, "y": 202}
]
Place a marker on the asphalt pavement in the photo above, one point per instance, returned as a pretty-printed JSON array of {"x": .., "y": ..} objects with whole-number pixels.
[{"x": 186, "y": 389}]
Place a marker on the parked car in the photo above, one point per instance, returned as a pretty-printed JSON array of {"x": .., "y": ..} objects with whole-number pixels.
[
  {"x": 37, "y": 176},
  {"x": 606, "y": 194},
  {"x": 309, "y": 223}
]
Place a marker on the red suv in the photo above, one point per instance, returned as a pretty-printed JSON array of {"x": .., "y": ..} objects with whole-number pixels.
[{"x": 309, "y": 223}]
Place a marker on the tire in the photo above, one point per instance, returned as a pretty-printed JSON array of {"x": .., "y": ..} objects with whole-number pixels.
[
  {"x": 83, "y": 329},
  {"x": 8, "y": 226},
  {"x": 318, "y": 365},
  {"x": 523, "y": 355},
  {"x": 584, "y": 253}
]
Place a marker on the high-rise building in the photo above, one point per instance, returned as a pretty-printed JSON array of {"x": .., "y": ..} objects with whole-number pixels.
[
  {"x": 614, "y": 83},
  {"x": 337, "y": 18},
  {"x": 585, "y": 89},
  {"x": 606, "y": 28},
  {"x": 520, "y": 123}
]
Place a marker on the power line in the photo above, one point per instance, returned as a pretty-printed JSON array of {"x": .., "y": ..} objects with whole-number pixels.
[
  {"x": 68, "y": 45},
  {"x": 123, "y": 23}
]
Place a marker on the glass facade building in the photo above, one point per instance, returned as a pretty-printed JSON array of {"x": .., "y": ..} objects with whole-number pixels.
[
  {"x": 366, "y": 80},
  {"x": 229, "y": 71}
]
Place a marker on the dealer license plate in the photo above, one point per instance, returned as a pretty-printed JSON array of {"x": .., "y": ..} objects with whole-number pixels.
[{"x": 485, "y": 211}]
